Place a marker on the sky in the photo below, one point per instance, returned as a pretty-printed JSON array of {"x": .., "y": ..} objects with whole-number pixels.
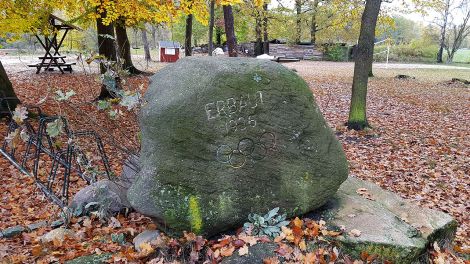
[{"x": 395, "y": 4}]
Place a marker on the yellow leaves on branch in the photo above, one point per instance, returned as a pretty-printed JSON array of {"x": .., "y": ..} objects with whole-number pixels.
[
  {"x": 29, "y": 16},
  {"x": 24, "y": 16},
  {"x": 134, "y": 12},
  {"x": 228, "y": 2}
]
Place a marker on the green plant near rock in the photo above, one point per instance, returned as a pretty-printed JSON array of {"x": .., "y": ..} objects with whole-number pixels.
[{"x": 270, "y": 224}]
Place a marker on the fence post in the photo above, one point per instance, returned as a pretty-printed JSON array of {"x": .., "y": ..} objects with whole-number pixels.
[{"x": 388, "y": 52}]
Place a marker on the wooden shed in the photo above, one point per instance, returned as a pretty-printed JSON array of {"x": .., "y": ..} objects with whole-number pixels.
[{"x": 169, "y": 51}]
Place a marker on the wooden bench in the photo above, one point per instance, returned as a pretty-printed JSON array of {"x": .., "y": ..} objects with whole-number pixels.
[
  {"x": 53, "y": 57},
  {"x": 62, "y": 66},
  {"x": 285, "y": 59}
]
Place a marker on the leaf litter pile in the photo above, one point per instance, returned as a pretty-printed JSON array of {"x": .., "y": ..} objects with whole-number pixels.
[{"x": 418, "y": 147}]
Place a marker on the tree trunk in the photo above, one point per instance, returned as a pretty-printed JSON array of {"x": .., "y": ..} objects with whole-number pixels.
[
  {"x": 265, "y": 29},
  {"x": 450, "y": 57},
  {"x": 188, "y": 51},
  {"x": 259, "y": 40},
  {"x": 443, "y": 32},
  {"x": 218, "y": 36},
  {"x": 298, "y": 22},
  {"x": 460, "y": 33},
  {"x": 124, "y": 48},
  {"x": 230, "y": 31},
  {"x": 314, "y": 26},
  {"x": 210, "y": 47},
  {"x": 154, "y": 37},
  {"x": 146, "y": 45},
  {"x": 106, "y": 48},
  {"x": 8, "y": 98},
  {"x": 363, "y": 65}
]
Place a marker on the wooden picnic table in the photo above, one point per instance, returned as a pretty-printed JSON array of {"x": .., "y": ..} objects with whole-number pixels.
[{"x": 52, "y": 58}]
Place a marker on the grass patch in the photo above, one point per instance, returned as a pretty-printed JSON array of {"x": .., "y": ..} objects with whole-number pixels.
[{"x": 462, "y": 56}]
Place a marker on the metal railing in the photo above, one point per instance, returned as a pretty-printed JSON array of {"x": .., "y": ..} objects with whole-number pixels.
[{"x": 65, "y": 159}]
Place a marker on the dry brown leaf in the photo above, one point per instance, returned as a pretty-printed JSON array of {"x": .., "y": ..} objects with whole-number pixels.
[
  {"x": 248, "y": 239},
  {"x": 355, "y": 233},
  {"x": 146, "y": 247},
  {"x": 243, "y": 250},
  {"x": 303, "y": 245},
  {"x": 227, "y": 251}
]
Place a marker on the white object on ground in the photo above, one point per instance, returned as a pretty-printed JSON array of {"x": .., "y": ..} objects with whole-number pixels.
[
  {"x": 217, "y": 52},
  {"x": 265, "y": 57}
]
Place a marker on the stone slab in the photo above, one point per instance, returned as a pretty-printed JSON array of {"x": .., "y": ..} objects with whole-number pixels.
[{"x": 391, "y": 227}]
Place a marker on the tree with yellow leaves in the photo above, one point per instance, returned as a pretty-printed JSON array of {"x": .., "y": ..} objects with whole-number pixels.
[
  {"x": 18, "y": 17},
  {"x": 258, "y": 10}
]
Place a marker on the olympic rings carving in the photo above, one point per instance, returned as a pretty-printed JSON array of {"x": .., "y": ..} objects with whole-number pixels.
[{"x": 246, "y": 149}]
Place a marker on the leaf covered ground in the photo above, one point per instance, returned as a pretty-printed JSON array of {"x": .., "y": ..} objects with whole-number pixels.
[{"x": 418, "y": 147}]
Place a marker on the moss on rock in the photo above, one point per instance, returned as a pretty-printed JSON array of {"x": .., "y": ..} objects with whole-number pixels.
[
  {"x": 225, "y": 137},
  {"x": 391, "y": 227}
]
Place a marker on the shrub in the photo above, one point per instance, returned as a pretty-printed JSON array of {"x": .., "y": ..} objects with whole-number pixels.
[
  {"x": 417, "y": 50},
  {"x": 336, "y": 52}
]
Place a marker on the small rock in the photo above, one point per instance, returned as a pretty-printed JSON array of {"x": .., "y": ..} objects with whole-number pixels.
[
  {"x": 57, "y": 223},
  {"x": 404, "y": 76},
  {"x": 13, "y": 231},
  {"x": 113, "y": 194},
  {"x": 56, "y": 234},
  {"x": 37, "y": 225},
  {"x": 145, "y": 237}
]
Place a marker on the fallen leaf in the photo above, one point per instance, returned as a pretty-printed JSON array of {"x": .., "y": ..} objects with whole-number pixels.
[
  {"x": 243, "y": 250},
  {"x": 227, "y": 251},
  {"x": 364, "y": 193},
  {"x": 248, "y": 239},
  {"x": 297, "y": 222},
  {"x": 238, "y": 243},
  {"x": 355, "y": 233},
  {"x": 146, "y": 247},
  {"x": 114, "y": 223},
  {"x": 302, "y": 245},
  {"x": 36, "y": 250}
]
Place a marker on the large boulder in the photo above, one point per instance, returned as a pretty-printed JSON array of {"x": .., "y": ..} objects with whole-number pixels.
[{"x": 225, "y": 137}]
